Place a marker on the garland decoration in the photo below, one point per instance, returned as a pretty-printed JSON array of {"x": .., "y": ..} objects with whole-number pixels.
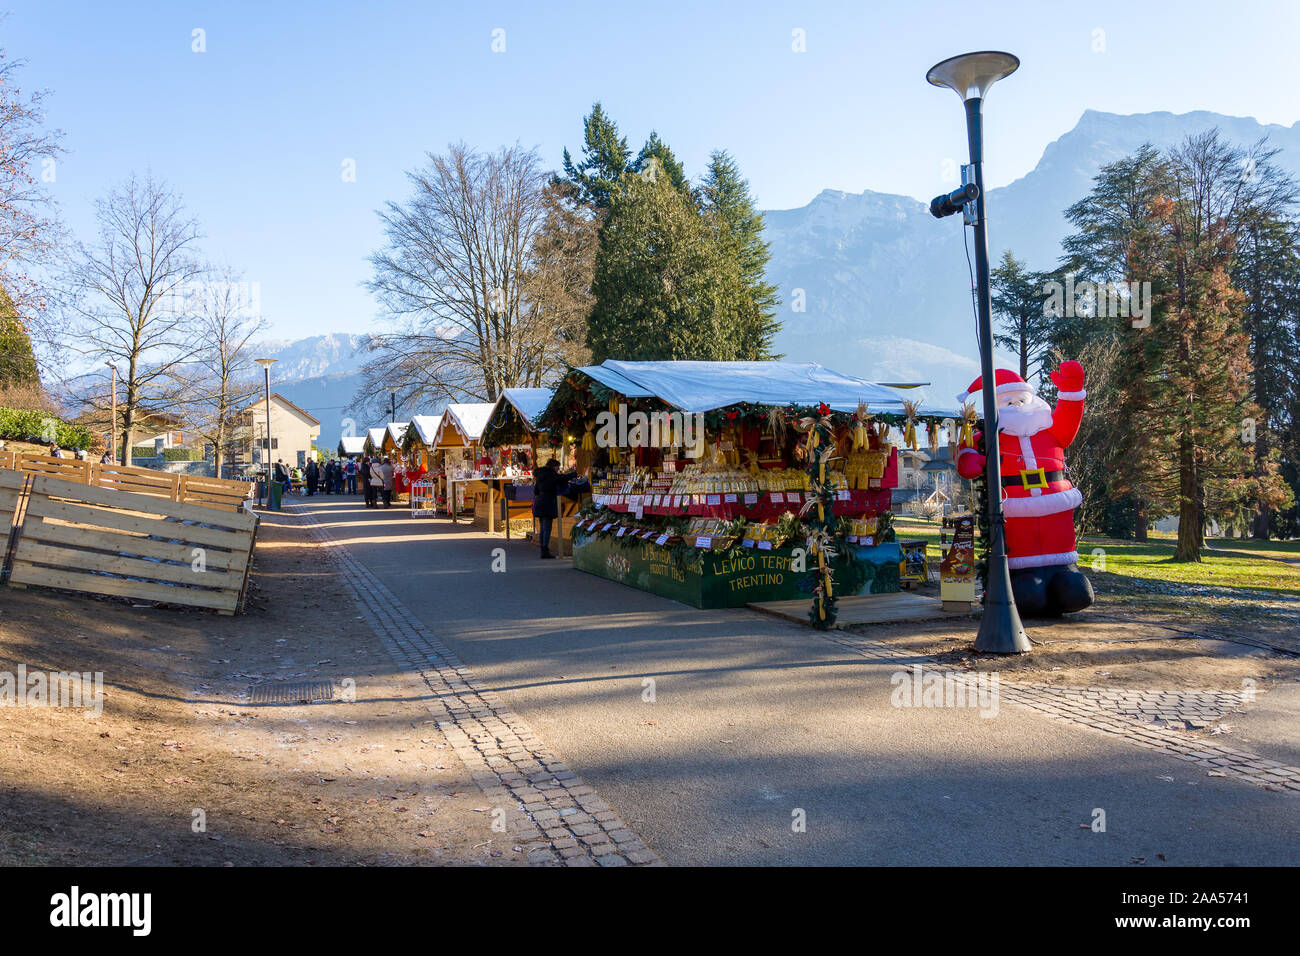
[{"x": 822, "y": 539}]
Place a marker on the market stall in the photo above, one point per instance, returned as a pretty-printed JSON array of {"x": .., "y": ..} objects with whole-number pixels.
[
  {"x": 423, "y": 465},
  {"x": 515, "y": 446},
  {"x": 722, "y": 483},
  {"x": 458, "y": 438},
  {"x": 374, "y": 442}
]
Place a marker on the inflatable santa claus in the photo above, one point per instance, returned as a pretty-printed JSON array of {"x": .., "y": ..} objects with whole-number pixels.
[{"x": 1037, "y": 498}]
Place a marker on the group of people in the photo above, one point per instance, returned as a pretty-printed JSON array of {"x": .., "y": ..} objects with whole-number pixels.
[
  {"x": 333, "y": 478},
  {"x": 341, "y": 477}
]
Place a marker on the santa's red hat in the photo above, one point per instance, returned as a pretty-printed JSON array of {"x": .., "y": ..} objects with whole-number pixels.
[{"x": 1004, "y": 380}]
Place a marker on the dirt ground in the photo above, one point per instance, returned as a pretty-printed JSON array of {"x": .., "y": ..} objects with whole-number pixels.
[
  {"x": 1098, "y": 649},
  {"x": 181, "y": 768}
]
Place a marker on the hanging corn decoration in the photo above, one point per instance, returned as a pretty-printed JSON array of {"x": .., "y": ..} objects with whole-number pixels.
[
  {"x": 861, "y": 436},
  {"x": 589, "y": 437},
  {"x": 910, "y": 408},
  {"x": 968, "y": 417},
  {"x": 932, "y": 433},
  {"x": 613, "y": 447}
]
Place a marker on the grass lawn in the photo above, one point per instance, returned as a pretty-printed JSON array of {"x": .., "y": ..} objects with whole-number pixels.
[{"x": 1226, "y": 562}]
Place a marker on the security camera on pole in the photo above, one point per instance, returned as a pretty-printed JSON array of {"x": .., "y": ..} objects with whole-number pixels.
[{"x": 970, "y": 76}]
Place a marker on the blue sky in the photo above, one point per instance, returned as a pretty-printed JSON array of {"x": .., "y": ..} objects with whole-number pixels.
[{"x": 254, "y": 131}]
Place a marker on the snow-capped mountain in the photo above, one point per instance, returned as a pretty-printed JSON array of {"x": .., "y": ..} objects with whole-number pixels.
[{"x": 885, "y": 287}]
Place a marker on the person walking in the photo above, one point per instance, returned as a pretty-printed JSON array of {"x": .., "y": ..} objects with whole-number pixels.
[
  {"x": 546, "y": 508},
  {"x": 313, "y": 477},
  {"x": 350, "y": 469},
  {"x": 386, "y": 472}
]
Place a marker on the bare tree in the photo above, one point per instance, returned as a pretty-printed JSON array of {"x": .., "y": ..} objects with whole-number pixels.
[
  {"x": 221, "y": 377},
  {"x": 29, "y": 228},
  {"x": 129, "y": 294},
  {"x": 482, "y": 275}
]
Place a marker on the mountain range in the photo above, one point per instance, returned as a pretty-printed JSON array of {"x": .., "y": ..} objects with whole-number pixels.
[{"x": 884, "y": 287}]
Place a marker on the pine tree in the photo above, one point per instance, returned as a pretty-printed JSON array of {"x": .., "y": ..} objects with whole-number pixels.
[
  {"x": 727, "y": 200},
  {"x": 665, "y": 286},
  {"x": 1018, "y": 297},
  {"x": 605, "y": 158},
  {"x": 656, "y": 147}
]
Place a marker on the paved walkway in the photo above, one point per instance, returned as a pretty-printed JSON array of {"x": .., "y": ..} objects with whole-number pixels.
[{"x": 729, "y": 737}]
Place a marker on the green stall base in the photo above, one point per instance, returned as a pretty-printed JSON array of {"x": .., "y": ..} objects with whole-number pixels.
[{"x": 731, "y": 578}]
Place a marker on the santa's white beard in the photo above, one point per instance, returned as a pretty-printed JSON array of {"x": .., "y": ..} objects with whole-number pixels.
[{"x": 1027, "y": 419}]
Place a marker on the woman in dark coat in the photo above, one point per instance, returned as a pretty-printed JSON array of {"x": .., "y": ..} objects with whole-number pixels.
[
  {"x": 366, "y": 487},
  {"x": 546, "y": 489}
]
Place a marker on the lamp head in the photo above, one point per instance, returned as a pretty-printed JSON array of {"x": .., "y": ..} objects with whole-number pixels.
[
  {"x": 265, "y": 363},
  {"x": 971, "y": 74}
]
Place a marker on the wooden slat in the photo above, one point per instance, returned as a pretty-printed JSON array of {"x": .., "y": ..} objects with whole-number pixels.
[
  {"x": 103, "y": 496},
  {"x": 68, "y": 558},
  {"x": 43, "y": 529},
  {"x": 138, "y": 523},
  {"x": 101, "y": 584}
]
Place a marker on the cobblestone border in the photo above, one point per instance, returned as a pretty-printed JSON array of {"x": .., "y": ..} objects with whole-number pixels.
[
  {"x": 1107, "y": 710},
  {"x": 557, "y": 818}
]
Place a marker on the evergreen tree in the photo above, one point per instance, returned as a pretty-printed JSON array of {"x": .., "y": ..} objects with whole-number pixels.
[
  {"x": 665, "y": 286},
  {"x": 605, "y": 158},
  {"x": 727, "y": 200},
  {"x": 1268, "y": 272},
  {"x": 17, "y": 360},
  {"x": 1018, "y": 298},
  {"x": 657, "y": 148}
]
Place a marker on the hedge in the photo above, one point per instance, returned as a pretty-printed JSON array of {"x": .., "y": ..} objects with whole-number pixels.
[{"x": 17, "y": 424}]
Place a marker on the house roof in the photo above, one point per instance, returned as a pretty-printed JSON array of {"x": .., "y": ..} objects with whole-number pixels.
[
  {"x": 396, "y": 431},
  {"x": 352, "y": 444},
  {"x": 468, "y": 419},
  {"x": 424, "y": 429},
  {"x": 260, "y": 404},
  {"x": 375, "y": 436},
  {"x": 528, "y": 402},
  {"x": 705, "y": 386}
]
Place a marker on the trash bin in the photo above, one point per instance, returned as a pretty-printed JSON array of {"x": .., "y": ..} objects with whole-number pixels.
[{"x": 277, "y": 490}]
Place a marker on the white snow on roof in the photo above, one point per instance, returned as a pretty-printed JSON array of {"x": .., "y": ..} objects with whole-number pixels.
[{"x": 426, "y": 427}]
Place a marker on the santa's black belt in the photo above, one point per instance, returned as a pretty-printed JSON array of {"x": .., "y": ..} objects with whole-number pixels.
[{"x": 1036, "y": 478}]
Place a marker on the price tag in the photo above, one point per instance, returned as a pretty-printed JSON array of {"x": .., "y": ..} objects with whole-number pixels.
[
  {"x": 852, "y": 539},
  {"x": 639, "y": 511},
  {"x": 793, "y": 497},
  {"x": 747, "y": 543},
  {"x": 765, "y": 546},
  {"x": 621, "y": 532},
  {"x": 729, "y": 499},
  {"x": 713, "y": 500},
  {"x": 608, "y": 525},
  {"x": 778, "y": 497},
  {"x": 703, "y": 542},
  {"x": 869, "y": 540},
  {"x": 751, "y": 499},
  {"x": 843, "y": 494},
  {"x": 662, "y": 539}
]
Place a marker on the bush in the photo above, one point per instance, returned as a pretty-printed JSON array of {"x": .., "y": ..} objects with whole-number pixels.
[
  {"x": 141, "y": 451},
  {"x": 18, "y": 424},
  {"x": 182, "y": 454}
]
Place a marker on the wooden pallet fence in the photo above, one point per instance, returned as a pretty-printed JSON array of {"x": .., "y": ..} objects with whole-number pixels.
[
  {"x": 188, "y": 489},
  {"x": 113, "y": 541}
]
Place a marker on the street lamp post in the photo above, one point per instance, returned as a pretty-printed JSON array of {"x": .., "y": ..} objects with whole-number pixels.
[
  {"x": 266, "y": 364},
  {"x": 970, "y": 76}
]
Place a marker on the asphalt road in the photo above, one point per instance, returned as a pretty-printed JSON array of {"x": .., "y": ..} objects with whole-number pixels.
[{"x": 756, "y": 722}]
